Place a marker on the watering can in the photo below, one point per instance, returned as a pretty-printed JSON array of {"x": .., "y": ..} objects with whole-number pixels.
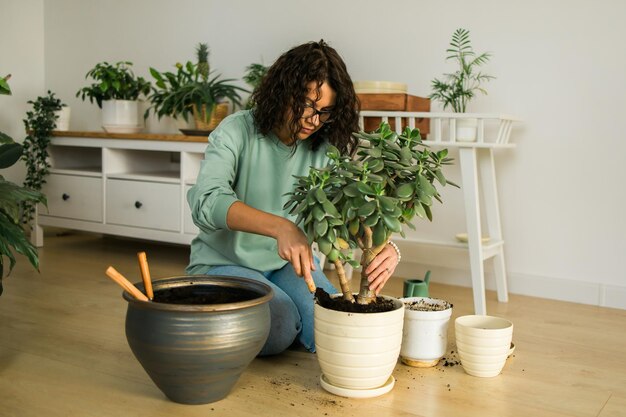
[{"x": 417, "y": 287}]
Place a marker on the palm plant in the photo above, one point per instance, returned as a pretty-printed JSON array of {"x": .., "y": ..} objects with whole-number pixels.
[
  {"x": 12, "y": 198},
  {"x": 191, "y": 90},
  {"x": 253, "y": 76},
  {"x": 360, "y": 202},
  {"x": 458, "y": 88}
]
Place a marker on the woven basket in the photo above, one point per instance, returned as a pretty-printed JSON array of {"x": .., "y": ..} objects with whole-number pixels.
[{"x": 220, "y": 111}]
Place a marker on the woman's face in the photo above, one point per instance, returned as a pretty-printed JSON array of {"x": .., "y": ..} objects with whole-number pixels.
[{"x": 316, "y": 107}]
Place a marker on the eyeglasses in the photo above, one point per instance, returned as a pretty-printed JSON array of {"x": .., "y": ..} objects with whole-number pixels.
[{"x": 310, "y": 111}]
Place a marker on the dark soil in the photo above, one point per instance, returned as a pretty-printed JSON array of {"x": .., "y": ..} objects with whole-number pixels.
[
  {"x": 203, "y": 294},
  {"x": 424, "y": 305},
  {"x": 380, "y": 305}
]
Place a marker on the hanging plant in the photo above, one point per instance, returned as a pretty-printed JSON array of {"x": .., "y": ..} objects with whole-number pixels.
[{"x": 40, "y": 122}]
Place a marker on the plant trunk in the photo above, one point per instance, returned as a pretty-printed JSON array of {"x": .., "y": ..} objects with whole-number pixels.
[
  {"x": 366, "y": 295},
  {"x": 345, "y": 285}
]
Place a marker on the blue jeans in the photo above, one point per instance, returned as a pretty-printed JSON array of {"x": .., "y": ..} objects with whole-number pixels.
[{"x": 291, "y": 308}]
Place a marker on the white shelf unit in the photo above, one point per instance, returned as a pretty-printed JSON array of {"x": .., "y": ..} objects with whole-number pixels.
[
  {"x": 125, "y": 187},
  {"x": 478, "y": 176}
]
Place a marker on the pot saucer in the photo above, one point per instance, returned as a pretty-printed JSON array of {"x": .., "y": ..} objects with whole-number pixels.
[{"x": 357, "y": 393}]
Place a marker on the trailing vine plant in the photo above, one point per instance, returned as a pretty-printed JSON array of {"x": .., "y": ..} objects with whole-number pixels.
[{"x": 40, "y": 122}]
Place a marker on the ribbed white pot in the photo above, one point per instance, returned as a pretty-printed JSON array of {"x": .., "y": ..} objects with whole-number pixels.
[
  {"x": 121, "y": 116},
  {"x": 63, "y": 118},
  {"x": 358, "y": 351},
  {"x": 425, "y": 334}
]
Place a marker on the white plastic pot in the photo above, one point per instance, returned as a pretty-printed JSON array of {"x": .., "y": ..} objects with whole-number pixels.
[
  {"x": 63, "y": 118},
  {"x": 466, "y": 129},
  {"x": 425, "y": 334}
]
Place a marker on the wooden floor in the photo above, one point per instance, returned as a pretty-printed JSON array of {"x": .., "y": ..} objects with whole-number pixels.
[{"x": 63, "y": 352}]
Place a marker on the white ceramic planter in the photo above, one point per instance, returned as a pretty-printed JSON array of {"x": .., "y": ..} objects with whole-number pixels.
[
  {"x": 425, "y": 334},
  {"x": 121, "y": 116},
  {"x": 63, "y": 118},
  {"x": 466, "y": 129},
  {"x": 357, "y": 351},
  {"x": 483, "y": 344}
]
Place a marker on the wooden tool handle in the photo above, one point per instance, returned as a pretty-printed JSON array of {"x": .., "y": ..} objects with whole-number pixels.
[
  {"x": 125, "y": 284},
  {"x": 145, "y": 274}
]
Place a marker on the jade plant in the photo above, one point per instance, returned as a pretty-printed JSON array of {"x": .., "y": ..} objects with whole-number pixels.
[
  {"x": 361, "y": 201},
  {"x": 459, "y": 87},
  {"x": 12, "y": 197},
  {"x": 39, "y": 123}
]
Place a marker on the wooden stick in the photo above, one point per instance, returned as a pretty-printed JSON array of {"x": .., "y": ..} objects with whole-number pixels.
[
  {"x": 145, "y": 274},
  {"x": 125, "y": 284}
]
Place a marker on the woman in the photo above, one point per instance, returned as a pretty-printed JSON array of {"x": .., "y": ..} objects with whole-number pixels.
[{"x": 305, "y": 101}]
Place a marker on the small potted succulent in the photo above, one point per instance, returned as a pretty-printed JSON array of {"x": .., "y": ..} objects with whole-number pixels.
[
  {"x": 361, "y": 202},
  {"x": 456, "y": 89},
  {"x": 193, "y": 90},
  {"x": 12, "y": 198},
  {"x": 116, "y": 91}
]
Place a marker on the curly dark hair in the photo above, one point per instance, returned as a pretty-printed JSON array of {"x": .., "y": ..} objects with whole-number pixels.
[{"x": 285, "y": 86}]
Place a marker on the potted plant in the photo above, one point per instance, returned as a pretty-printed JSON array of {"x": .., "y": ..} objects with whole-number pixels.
[
  {"x": 193, "y": 90},
  {"x": 458, "y": 88},
  {"x": 116, "y": 90},
  {"x": 12, "y": 197},
  {"x": 425, "y": 332},
  {"x": 39, "y": 123},
  {"x": 253, "y": 76},
  {"x": 361, "y": 202}
]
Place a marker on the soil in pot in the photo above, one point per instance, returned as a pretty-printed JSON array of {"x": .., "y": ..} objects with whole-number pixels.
[
  {"x": 425, "y": 305},
  {"x": 203, "y": 294},
  {"x": 380, "y": 305}
]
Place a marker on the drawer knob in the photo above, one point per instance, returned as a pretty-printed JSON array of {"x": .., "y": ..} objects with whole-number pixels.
[
  {"x": 65, "y": 196},
  {"x": 138, "y": 204}
]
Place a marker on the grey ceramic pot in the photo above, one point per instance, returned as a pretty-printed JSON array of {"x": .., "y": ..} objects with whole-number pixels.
[{"x": 196, "y": 353}]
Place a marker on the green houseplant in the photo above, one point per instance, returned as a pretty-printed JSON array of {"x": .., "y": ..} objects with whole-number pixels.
[
  {"x": 39, "y": 123},
  {"x": 12, "y": 197},
  {"x": 362, "y": 201},
  {"x": 456, "y": 89},
  {"x": 191, "y": 90},
  {"x": 253, "y": 76},
  {"x": 116, "y": 91}
]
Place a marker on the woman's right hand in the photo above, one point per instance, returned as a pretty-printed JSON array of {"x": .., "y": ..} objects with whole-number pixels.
[{"x": 294, "y": 247}]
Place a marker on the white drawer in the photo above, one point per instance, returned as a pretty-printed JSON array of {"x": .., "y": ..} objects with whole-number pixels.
[
  {"x": 73, "y": 197},
  {"x": 188, "y": 226},
  {"x": 143, "y": 204}
]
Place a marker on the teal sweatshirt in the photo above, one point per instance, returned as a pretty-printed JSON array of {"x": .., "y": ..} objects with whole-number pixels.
[{"x": 242, "y": 164}]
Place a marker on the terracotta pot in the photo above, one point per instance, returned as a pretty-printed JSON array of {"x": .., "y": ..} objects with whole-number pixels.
[
  {"x": 196, "y": 353},
  {"x": 358, "y": 351}
]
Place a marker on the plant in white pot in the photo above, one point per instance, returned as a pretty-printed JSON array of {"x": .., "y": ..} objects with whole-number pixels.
[
  {"x": 456, "y": 89},
  {"x": 116, "y": 91},
  {"x": 361, "y": 202}
]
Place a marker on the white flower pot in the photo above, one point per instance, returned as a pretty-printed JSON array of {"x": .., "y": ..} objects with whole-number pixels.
[
  {"x": 63, "y": 118},
  {"x": 358, "y": 351},
  {"x": 425, "y": 334},
  {"x": 466, "y": 129},
  {"x": 121, "y": 116}
]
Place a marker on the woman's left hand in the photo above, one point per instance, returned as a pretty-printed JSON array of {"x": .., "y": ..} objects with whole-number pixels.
[{"x": 381, "y": 268}]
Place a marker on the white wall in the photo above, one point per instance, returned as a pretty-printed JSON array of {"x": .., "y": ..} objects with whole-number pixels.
[
  {"x": 560, "y": 67},
  {"x": 22, "y": 56}
]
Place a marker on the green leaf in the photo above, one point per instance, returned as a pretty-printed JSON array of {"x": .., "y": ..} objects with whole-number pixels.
[
  {"x": 392, "y": 223},
  {"x": 352, "y": 190},
  {"x": 404, "y": 191},
  {"x": 353, "y": 226},
  {"x": 364, "y": 188},
  {"x": 318, "y": 213},
  {"x": 10, "y": 153},
  {"x": 320, "y": 195},
  {"x": 367, "y": 209},
  {"x": 321, "y": 227},
  {"x": 324, "y": 245},
  {"x": 379, "y": 234},
  {"x": 388, "y": 204}
]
